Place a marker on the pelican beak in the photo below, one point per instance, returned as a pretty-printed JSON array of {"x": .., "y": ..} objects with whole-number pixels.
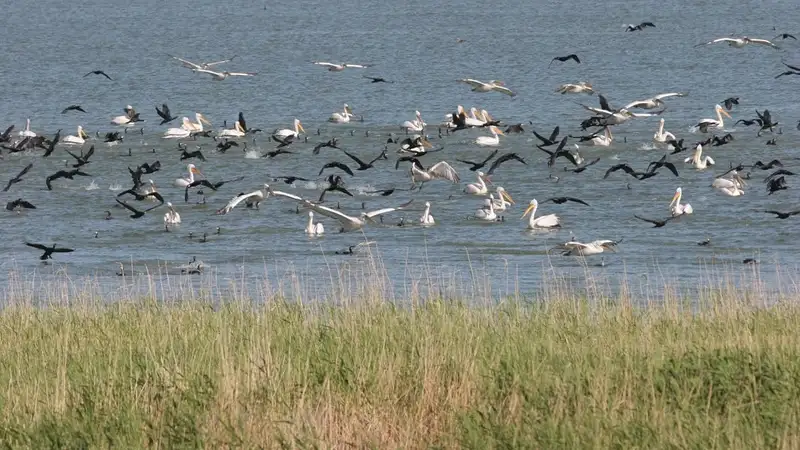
[
  {"x": 674, "y": 199},
  {"x": 507, "y": 197},
  {"x": 725, "y": 113},
  {"x": 426, "y": 143},
  {"x": 196, "y": 170},
  {"x": 204, "y": 120},
  {"x": 609, "y": 248},
  {"x": 527, "y": 211},
  {"x": 348, "y": 110},
  {"x": 300, "y": 127}
]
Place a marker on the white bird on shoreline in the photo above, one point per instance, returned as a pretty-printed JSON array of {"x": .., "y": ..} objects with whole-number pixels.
[
  {"x": 492, "y": 85},
  {"x": 548, "y": 221},
  {"x": 675, "y": 206}
]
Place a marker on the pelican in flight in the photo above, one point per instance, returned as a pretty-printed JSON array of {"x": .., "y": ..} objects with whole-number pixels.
[
  {"x": 705, "y": 124},
  {"x": 172, "y": 217},
  {"x": 339, "y": 67},
  {"x": 427, "y": 218},
  {"x": 205, "y": 65},
  {"x": 548, "y": 221},
  {"x": 661, "y": 135},
  {"x": 342, "y": 117},
  {"x": 77, "y": 139},
  {"x": 675, "y": 206},
  {"x": 492, "y": 85},
  {"x": 253, "y": 199},
  {"x": 314, "y": 229},
  {"x": 741, "y": 42},
  {"x": 733, "y": 186},
  {"x": 439, "y": 171},
  {"x": 487, "y": 211},
  {"x": 698, "y": 160},
  {"x": 572, "y": 248},
  {"x": 219, "y": 76},
  {"x": 503, "y": 200},
  {"x": 619, "y": 116},
  {"x": 128, "y": 119},
  {"x": 576, "y": 88},
  {"x": 478, "y": 188},
  {"x": 189, "y": 178},
  {"x": 27, "y": 131},
  {"x": 490, "y": 141},
  {"x": 351, "y": 223},
  {"x": 234, "y": 132},
  {"x": 286, "y": 132},
  {"x": 415, "y": 125},
  {"x": 603, "y": 140},
  {"x": 653, "y": 102}
]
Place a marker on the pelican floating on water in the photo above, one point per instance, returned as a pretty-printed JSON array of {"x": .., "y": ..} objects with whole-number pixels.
[
  {"x": 732, "y": 187},
  {"x": 548, "y": 221},
  {"x": 490, "y": 141},
  {"x": 478, "y": 188},
  {"x": 717, "y": 123},
  {"x": 189, "y": 178},
  {"x": 27, "y": 131},
  {"x": 234, "y": 132},
  {"x": 342, "y": 117},
  {"x": 487, "y": 211},
  {"x": 698, "y": 160},
  {"x": 661, "y": 135},
  {"x": 415, "y": 125},
  {"x": 128, "y": 119},
  {"x": 187, "y": 127},
  {"x": 286, "y": 132},
  {"x": 493, "y": 85},
  {"x": 314, "y": 229},
  {"x": 171, "y": 217},
  {"x": 503, "y": 200},
  {"x": 427, "y": 218},
  {"x": 603, "y": 140},
  {"x": 675, "y": 206},
  {"x": 77, "y": 139}
]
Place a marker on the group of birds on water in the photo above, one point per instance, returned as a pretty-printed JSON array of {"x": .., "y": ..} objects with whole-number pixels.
[{"x": 412, "y": 149}]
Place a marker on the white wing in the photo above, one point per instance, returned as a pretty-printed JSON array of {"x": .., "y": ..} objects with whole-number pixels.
[
  {"x": 670, "y": 94},
  {"x": 210, "y": 72},
  {"x": 547, "y": 221},
  {"x": 723, "y": 183},
  {"x": 241, "y": 74},
  {"x": 328, "y": 212},
  {"x": 377, "y": 213},
  {"x": 210, "y": 64},
  {"x": 356, "y": 66},
  {"x": 722, "y": 40},
  {"x": 504, "y": 90},
  {"x": 472, "y": 82},
  {"x": 645, "y": 114},
  {"x": 598, "y": 110},
  {"x": 443, "y": 170},
  {"x": 762, "y": 42},
  {"x": 635, "y": 104},
  {"x": 285, "y": 194},
  {"x": 326, "y": 64},
  {"x": 187, "y": 63},
  {"x": 239, "y": 199},
  {"x": 709, "y": 160}
]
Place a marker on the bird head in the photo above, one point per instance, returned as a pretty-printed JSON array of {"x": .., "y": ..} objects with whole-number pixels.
[{"x": 531, "y": 208}]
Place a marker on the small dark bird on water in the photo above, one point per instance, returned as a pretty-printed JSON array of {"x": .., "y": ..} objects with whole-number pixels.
[
  {"x": 98, "y": 72},
  {"x": 656, "y": 223},
  {"x": 17, "y": 178},
  {"x": 48, "y": 251},
  {"x": 72, "y": 108},
  {"x": 224, "y": 146},
  {"x": 640, "y": 27},
  {"x": 565, "y": 59}
]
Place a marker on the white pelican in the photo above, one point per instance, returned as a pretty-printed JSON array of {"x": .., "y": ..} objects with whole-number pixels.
[
  {"x": 548, "y": 221},
  {"x": 189, "y": 179},
  {"x": 197, "y": 126},
  {"x": 675, "y": 205},
  {"x": 187, "y": 128},
  {"x": 603, "y": 140},
  {"x": 427, "y": 218},
  {"x": 349, "y": 223},
  {"x": 705, "y": 124},
  {"x": 416, "y": 145},
  {"x": 219, "y": 76},
  {"x": 342, "y": 117},
  {"x": 171, "y": 217},
  {"x": 487, "y": 211},
  {"x": 78, "y": 139},
  {"x": 577, "y": 88},
  {"x": 286, "y": 132},
  {"x": 503, "y": 200},
  {"x": 618, "y": 117},
  {"x": 698, "y": 160},
  {"x": 128, "y": 119},
  {"x": 492, "y": 85},
  {"x": 439, "y": 171},
  {"x": 478, "y": 188},
  {"x": 490, "y": 141},
  {"x": 741, "y": 42},
  {"x": 314, "y": 229},
  {"x": 732, "y": 187},
  {"x": 204, "y": 65},
  {"x": 27, "y": 131},
  {"x": 661, "y": 135},
  {"x": 572, "y": 248},
  {"x": 653, "y": 102},
  {"x": 339, "y": 67},
  {"x": 234, "y": 132},
  {"x": 415, "y": 125},
  {"x": 250, "y": 200}
]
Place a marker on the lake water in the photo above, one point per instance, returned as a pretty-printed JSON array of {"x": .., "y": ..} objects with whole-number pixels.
[{"x": 48, "y": 46}]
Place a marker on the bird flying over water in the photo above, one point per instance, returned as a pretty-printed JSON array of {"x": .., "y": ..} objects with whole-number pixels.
[
  {"x": 491, "y": 85},
  {"x": 740, "y": 42},
  {"x": 98, "y": 72},
  {"x": 72, "y": 108},
  {"x": 640, "y": 27},
  {"x": 48, "y": 251},
  {"x": 339, "y": 67},
  {"x": 17, "y": 178},
  {"x": 565, "y": 59}
]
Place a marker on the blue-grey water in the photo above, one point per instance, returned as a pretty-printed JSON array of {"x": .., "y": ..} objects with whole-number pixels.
[{"x": 46, "y": 47}]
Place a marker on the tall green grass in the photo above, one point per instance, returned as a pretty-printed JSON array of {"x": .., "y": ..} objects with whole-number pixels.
[{"x": 562, "y": 369}]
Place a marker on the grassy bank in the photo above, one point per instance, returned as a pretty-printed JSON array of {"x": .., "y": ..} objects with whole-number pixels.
[{"x": 555, "y": 374}]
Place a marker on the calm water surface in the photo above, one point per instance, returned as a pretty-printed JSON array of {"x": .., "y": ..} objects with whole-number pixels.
[{"x": 414, "y": 44}]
